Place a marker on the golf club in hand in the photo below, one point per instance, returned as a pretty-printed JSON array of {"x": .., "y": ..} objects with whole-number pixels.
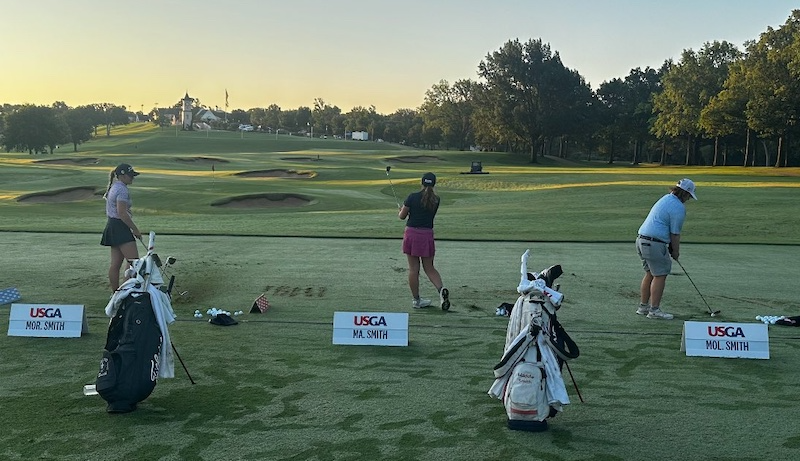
[
  {"x": 390, "y": 183},
  {"x": 710, "y": 311}
]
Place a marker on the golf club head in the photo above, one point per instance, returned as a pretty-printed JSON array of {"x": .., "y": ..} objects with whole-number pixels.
[
  {"x": 171, "y": 260},
  {"x": 388, "y": 167},
  {"x": 549, "y": 275},
  {"x": 715, "y": 313}
]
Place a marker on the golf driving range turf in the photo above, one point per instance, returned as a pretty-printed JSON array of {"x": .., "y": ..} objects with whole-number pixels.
[{"x": 273, "y": 387}]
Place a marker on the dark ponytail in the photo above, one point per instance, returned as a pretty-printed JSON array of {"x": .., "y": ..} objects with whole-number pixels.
[
  {"x": 429, "y": 198},
  {"x": 110, "y": 182}
]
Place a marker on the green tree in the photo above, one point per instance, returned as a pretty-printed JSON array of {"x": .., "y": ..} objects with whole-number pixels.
[
  {"x": 79, "y": 125},
  {"x": 773, "y": 73},
  {"x": 688, "y": 88},
  {"x": 303, "y": 117},
  {"x": 399, "y": 126},
  {"x": 525, "y": 92},
  {"x": 239, "y": 117},
  {"x": 359, "y": 118},
  {"x": 326, "y": 117},
  {"x": 272, "y": 116},
  {"x": 614, "y": 113},
  {"x": 34, "y": 129},
  {"x": 451, "y": 109}
]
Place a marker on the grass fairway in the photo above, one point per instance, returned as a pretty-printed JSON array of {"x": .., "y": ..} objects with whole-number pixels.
[{"x": 273, "y": 387}]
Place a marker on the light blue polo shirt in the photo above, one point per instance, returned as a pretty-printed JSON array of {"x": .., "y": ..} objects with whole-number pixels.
[{"x": 666, "y": 217}]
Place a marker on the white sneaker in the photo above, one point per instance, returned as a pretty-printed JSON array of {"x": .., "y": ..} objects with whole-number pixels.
[
  {"x": 420, "y": 303},
  {"x": 657, "y": 313},
  {"x": 643, "y": 309},
  {"x": 444, "y": 297}
]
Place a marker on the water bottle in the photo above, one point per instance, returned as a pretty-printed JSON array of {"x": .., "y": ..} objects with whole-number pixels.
[{"x": 89, "y": 389}]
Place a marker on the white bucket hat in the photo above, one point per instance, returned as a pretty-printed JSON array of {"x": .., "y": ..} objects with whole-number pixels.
[{"x": 687, "y": 185}]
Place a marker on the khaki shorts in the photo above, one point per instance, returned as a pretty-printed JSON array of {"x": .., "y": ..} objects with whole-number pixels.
[{"x": 655, "y": 257}]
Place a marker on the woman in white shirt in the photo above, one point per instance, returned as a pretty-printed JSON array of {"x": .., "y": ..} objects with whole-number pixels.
[{"x": 120, "y": 233}]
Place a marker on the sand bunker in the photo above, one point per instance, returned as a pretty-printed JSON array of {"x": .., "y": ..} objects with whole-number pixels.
[
  {"x": 73, "y": 194},
  {"x": 263, "y": 201},
  {"x": 277, "y": 174},
  {"x": 71, "y": 161},
  {"x": 200, "y": 160},
  {"x": 301, "y": 159},
  {"x": 416, "y": 159}
]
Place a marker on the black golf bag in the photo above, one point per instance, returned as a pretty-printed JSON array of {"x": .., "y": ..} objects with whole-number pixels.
[
  {"x": 138, "y": 346},
  {"x": 130, "y": 363}
]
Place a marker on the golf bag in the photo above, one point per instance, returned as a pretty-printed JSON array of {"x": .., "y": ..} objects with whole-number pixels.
[
  {"x": 528, "y": 378},
  {"x": 130, "y": 364},
  {"x": 138, "y": 348}
]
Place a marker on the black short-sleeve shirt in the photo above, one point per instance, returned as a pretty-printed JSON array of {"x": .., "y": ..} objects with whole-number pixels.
[{"x": 418, "y": 216}]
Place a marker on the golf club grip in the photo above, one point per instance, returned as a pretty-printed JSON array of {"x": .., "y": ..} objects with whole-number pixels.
[
  {"x": 171, "y": 283},
  {"x": 152, "y": 241}
]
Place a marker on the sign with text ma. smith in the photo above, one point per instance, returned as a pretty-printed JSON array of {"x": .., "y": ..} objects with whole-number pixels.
[
  {"x": 722, "y": 339},
  {"x": 47, "y": 320},
  {"x": 370, "y": 328}
]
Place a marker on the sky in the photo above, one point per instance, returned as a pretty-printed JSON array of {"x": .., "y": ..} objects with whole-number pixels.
[{"x": 350, "y": 53}]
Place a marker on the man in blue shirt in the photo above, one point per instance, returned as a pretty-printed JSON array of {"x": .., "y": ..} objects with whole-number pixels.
[{"x": 659, "y": 240}]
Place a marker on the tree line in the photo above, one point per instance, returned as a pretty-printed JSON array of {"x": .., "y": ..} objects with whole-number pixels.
[
  {"x": 715, "y": 106},
  {"x": 39, "y": 129}
]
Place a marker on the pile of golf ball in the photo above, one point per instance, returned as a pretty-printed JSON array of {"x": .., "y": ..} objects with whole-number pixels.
[
  {"x": 213, "y": 312},
  {"x": 770, "y": 319}
]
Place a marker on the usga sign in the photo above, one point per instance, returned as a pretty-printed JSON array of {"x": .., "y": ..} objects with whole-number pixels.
[
  {"x": 733, "y": 340},
  {"x": 370, "y": 328},
  {"x": 47, "y": 320}
]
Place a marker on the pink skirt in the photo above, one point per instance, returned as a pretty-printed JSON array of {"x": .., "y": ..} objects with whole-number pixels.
[{"x": 418, "y": 241}]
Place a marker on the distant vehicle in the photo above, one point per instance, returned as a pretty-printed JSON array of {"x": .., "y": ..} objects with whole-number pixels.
[
  {"x": 360, "y": 136},
  {"x": 246, "y": 128}
]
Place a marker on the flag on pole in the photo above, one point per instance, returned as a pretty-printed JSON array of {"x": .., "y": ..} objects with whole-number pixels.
[
  {"x": 260, "y": 305},
  {"x": 226, "y": 98}
]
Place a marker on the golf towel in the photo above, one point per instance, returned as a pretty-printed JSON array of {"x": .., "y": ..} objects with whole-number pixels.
[
  {"x": 260, "y": 305},
  {"x": 9, "y": 295}
]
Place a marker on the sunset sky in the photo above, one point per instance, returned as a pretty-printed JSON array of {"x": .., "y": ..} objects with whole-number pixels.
[{"x": 347, "y": 52}]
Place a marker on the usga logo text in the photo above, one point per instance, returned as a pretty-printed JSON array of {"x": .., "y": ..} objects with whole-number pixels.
[
  {"x": 731, "y": 332},
  {"x": 373, "y": 320},
  {"x": 49, "y": 313}
]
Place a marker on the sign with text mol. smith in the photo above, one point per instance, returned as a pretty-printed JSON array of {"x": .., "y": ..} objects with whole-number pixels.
[
  {"x": 370, "y": 328},
  {"x": 47, "y": 320},
  {"x": 732, "y": 340}
]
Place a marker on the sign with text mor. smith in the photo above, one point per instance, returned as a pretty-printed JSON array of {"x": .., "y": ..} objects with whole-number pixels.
[
  {"x": 723, "y": 339},
  {"x": 370, "y": 328},
  {"x": 47, "y": 320}
]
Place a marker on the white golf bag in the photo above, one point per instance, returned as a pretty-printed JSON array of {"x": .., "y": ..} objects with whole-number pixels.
[{"x": 528, "y": 377}]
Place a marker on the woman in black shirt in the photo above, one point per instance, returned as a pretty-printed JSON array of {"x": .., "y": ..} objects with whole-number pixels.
[{"x": 418, "y": 244}]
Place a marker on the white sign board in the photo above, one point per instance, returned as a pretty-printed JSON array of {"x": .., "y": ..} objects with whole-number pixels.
[
  {"x": 47, "y": 320},
  {"x": 731, "y": 340},
  {"x": 370, "y": 328}
]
